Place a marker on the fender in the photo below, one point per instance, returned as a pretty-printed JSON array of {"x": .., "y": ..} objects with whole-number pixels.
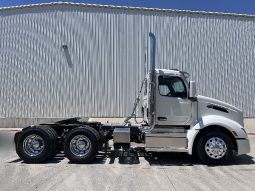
[{"x": 214, "y": 120}]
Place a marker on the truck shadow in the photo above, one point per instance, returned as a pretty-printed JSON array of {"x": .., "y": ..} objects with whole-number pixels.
[
  {"x": 167, "y": 159},
  {"x": 57, "y": 159},
  {"x": 156, "y": 159},
  {"x": 100, "y": 159},
  {"x": 183, "y": 159}
]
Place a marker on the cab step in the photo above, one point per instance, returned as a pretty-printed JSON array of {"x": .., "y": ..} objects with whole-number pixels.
[
  {"x": 166, "y": 142},
  {"x": 166, "y": 149}
]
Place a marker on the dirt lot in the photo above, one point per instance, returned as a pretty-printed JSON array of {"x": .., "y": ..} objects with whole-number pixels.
[{"x": 173, "y": 171}]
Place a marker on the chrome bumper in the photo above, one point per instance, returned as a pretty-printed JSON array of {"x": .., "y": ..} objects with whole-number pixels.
[{"x": 243, "y": 146}]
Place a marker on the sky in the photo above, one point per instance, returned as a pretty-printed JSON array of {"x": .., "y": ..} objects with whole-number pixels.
[{"x": 227, "y": 6}]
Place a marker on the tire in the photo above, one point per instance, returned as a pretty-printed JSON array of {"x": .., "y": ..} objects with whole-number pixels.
[
  {"x": 54, "y": 139},
  {"x": 89, "y": 137},
  {"x": 45, "y": 139},
  {"x": 206, "y": 155},
  {"x": 16, "y": 138}
]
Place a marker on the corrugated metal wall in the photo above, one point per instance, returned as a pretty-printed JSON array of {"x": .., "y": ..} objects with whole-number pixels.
[{"x": 101, "y": 70}]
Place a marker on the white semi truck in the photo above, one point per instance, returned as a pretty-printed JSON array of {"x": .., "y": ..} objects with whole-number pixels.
[{"x": 175, "y": 119}]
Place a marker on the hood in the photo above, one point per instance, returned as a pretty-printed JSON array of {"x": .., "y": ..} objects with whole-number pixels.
[
  {"x": 217, "y": 102},
  {"x": 209, "y": 106}
]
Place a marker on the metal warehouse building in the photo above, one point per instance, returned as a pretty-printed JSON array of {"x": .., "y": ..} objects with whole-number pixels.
[{"x": 66, "y": 59}]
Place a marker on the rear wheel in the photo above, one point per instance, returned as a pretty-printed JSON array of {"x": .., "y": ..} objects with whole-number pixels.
[
  {"x": 35, "y": 144},
  {"x": 81, "y": 144},
  {"x": 16, "y": 138},
  {"x": 214, "y": 148},
  {"x": 54, "y": 139}
]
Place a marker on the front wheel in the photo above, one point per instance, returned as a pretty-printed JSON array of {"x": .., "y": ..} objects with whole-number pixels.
[{"x": 214, "y": 148}]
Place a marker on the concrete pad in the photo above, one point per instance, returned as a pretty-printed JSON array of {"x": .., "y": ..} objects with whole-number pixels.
[{"x": 249, "y": 124}]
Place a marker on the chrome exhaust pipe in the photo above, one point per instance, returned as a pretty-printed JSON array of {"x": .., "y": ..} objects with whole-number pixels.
[{"x": 152, "y": 77}]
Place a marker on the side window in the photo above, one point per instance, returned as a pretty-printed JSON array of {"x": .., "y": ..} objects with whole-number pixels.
[{"x": 172, "y": 87}]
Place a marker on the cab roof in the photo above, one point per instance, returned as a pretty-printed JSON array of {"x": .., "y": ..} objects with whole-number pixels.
[
  {"x": 173, "y": 72},
  {"x": 168, "y": 72}
]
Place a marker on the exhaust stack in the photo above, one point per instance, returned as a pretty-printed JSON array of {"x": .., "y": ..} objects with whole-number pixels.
[
  {"x": 152, "y": 88},
  {"x": 152, "y": 79}
]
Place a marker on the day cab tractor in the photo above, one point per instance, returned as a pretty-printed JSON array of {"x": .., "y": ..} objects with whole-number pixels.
[{"x": 175, "y": 119}]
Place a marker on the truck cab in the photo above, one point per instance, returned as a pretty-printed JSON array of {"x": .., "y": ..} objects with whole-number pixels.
[
  {"x": 185, "y": 122},
  {"x": 172, "y": 103}
]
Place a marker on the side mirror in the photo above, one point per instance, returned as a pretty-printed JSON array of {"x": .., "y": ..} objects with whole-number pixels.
[{"x": 192, "y": 89}]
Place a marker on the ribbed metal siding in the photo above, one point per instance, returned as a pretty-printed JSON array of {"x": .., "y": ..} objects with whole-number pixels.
[{"x": 107, "y": 50}]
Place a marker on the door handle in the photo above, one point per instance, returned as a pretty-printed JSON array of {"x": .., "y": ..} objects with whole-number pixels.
[{"x": 162, "y": 118}]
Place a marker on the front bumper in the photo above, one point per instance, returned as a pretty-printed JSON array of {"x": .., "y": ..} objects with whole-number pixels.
[{"x": 243, "y": 146}]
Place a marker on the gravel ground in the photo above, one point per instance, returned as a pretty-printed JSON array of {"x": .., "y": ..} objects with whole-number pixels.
[{"x": 173, "y": 171}]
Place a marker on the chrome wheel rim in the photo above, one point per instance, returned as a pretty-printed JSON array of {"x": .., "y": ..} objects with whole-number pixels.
[
  {"x": 80, "y": 145},
  {"x": 33, "y": 145},
  {"x": 215, "y": 148}
]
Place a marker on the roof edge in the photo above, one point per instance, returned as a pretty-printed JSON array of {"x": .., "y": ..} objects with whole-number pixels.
[{"x": 127, "y": 8}]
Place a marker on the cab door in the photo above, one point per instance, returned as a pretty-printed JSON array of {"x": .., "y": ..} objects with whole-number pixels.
[{"x": 172, "y": 104}]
